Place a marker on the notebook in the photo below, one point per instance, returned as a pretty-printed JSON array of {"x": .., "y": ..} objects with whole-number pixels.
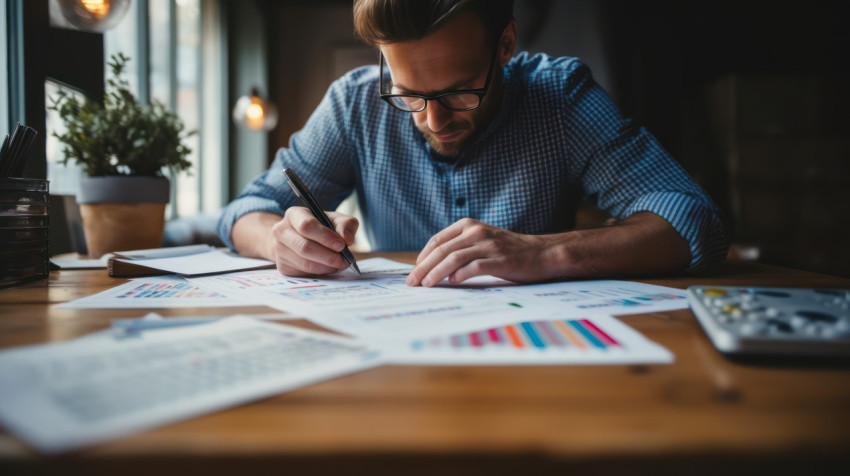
[{"x": 195, "y": 260}]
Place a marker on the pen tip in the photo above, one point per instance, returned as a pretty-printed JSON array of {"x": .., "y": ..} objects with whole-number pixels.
[{"x": 356, "y": 268}]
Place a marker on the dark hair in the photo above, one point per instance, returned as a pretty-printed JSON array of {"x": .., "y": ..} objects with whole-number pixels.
[{"x": 380, "y": 22}]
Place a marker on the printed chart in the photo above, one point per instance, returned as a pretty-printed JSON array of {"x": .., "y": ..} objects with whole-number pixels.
[
  {"x": 155, "y": 292},
  {"x": 609, "y": 297},
  {"x": 595, "y": 340}
]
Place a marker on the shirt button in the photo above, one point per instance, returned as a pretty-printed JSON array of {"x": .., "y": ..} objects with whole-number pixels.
[{"x": 460, "y": 201}]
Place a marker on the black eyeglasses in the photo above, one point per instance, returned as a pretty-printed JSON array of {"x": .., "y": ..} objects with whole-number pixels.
[{"x": 463, "y": 100}]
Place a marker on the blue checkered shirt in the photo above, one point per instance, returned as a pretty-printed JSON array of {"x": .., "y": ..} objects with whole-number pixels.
[{"x": 558, "y": 137}]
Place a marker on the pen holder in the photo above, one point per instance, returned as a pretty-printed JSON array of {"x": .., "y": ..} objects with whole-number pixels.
[{"x": 24, "y": 205}]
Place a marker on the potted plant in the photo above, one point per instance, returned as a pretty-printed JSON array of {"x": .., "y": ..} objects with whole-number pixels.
[{"x": 123, "y": 147}]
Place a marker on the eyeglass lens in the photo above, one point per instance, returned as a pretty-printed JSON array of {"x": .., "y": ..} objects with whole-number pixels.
[{"x": 458, "y": 102}]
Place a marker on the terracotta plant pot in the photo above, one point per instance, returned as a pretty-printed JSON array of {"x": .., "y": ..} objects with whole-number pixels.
[{"x": 123, "y": 213}]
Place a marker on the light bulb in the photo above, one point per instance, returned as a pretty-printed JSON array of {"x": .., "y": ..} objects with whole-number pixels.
[
  {"x": 98, "y": 8},
  {"x": 254, "y": 112},
  {"x": 94, "y": 15}
]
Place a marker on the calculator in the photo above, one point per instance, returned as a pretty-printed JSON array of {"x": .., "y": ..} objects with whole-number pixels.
[{"x": 755, "y": 321}]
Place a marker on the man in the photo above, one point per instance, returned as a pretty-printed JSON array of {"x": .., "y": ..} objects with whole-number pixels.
[{"x": 477, "y": 158}]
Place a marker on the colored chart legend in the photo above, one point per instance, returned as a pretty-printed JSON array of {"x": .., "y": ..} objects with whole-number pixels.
[{"x": 597, "y": 340}]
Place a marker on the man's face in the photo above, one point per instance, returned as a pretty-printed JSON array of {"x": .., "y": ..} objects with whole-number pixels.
[{"x": 455, "y": 57}]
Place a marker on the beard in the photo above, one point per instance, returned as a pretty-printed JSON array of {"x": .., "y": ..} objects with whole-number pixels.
[
  {"x": 448, "y": 149},
  {"x": 470, "y": 128}
]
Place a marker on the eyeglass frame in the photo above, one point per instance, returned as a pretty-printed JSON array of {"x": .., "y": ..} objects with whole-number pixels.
[{"x": 387, "y": 97}]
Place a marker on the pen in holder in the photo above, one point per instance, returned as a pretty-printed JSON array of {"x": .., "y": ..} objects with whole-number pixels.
[
  {"x": 23, "y": 213},
  {"x": 23, "y": 230},
  {"x": 15, "y": 150}
]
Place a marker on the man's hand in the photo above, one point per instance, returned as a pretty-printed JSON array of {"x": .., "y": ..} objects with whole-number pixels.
[
  {"x": 470, "y": 248},
  {"x": 641, "y": 244},
  {"x": 302, "y": 246},
  {"x": 297, "y": 243}
]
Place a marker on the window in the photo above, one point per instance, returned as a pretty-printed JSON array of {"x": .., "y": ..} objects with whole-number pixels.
[
  {"x": 175, "y": 80},
  {"x": 181, "y": 39},
  {"x": 4, "y": 66},
  {"x": 176, "y": 59},
  {"x": 64, "y": 179}
]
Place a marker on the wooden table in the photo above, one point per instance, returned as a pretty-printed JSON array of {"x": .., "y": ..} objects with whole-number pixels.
[{"x": 701, "y": 415}]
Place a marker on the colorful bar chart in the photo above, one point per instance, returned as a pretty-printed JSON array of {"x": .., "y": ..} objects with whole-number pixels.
[
  {"x": 578, "y": 333},
  {"x": 596, "y": 340}
]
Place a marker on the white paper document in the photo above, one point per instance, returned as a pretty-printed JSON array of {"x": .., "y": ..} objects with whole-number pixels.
[
  {"x": 124, "y": 327},
  {"x": 378, "y": 304},
  {"x": 156, "y": 292},
  {"x": 81, "y": 263},
  {"x": 169, "y": 252},
  {"x": 67, "y": 395},
  {"x": 574, "y": 341}
]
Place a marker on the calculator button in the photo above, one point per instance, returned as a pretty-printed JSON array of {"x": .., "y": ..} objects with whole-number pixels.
[
  {"x": 752, "y": 328},
  {"x": 713, "y": 292},
  {"x": 816, "y": 316},
  {"x": 830, "y": 292},
  {"x": 724, "y": 301},
  {"x": 799, "y": 322},
  {"x": 772, "y": 293},
  {"x": 779, "y": 326},
  {"x": 835, "y": 333}
]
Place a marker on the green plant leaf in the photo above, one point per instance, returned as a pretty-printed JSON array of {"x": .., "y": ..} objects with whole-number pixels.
[{"x": 122, "y": 136}]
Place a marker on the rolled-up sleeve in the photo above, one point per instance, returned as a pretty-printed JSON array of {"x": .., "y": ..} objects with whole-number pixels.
[{"x": 625, "y": 170}]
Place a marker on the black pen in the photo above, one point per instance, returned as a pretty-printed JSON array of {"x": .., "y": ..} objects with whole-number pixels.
[
  {"x": 22, "y": 152},
  {"x": 301, "y": 192},
  {"x": 3, "y": 149}
]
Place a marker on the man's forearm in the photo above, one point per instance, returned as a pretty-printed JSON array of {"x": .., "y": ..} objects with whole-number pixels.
[
  {"x": 641, "y": 244},
  {"x": 251, "y": 234}
]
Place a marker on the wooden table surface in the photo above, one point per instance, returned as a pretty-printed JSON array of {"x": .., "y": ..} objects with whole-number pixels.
[{"x": 702, "y": 414}]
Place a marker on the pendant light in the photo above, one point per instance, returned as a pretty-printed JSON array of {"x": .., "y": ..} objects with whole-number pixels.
[
  {"x": 255, "y": 112},
  {"x": 94, "y": 15}
]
